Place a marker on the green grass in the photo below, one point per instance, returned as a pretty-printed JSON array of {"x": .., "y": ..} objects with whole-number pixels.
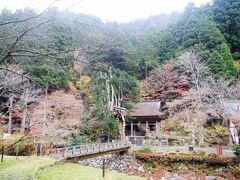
[
  {"x": 43, "y": 168},
  {"x": 22, "y": 169},
  {"x": 77, "y": 172}
]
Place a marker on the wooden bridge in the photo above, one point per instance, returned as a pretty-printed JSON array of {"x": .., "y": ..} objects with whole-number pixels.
[{"x": 91, "y": 150}]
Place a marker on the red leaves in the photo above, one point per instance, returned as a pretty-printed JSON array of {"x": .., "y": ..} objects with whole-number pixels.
[
  {"x": 216, "y": 159},
  {"x": 165, "y": 83}
]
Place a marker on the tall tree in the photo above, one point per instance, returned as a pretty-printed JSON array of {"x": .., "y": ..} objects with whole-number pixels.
[
  {"x": 226, "y": 14},
  {"x": 221, "y": 62}
]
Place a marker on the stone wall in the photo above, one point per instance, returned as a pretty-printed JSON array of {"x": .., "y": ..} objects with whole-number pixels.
[{"x": 115, "y": 162}]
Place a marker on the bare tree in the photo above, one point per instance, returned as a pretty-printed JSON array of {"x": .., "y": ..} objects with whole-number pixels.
[
  {"x": 223, "y": 99},
  {"x": 192, "y": 65},
  {"x": 28, "y": 96},
  {"x": 11, "y": 85},
  {"x": 220, "y": 93},
  {"x": 44, "y": 123},
  {"x": 209, "y": 94},
  {"x": 11, "y": 78}
]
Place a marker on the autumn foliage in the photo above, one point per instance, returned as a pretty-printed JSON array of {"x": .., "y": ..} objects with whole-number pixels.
[{"x": 164, "y": 83}]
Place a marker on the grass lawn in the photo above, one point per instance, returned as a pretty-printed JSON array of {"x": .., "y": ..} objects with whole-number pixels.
[
  {"x": 30, "y": 168},
  {"x": 71, "y": 171},
  {"x": 22, "y": 169}
]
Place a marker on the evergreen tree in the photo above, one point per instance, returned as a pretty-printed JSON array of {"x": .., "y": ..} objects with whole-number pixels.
[
  {"x": 226, "y": 14},
  {"x": 221, "y": 62}
]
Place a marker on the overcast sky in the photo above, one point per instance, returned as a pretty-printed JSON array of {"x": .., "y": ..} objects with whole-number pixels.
[{"x": 107, "y": 10}]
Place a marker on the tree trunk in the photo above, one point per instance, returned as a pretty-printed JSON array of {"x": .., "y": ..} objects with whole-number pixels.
[
  {"x": 193, "y": 136},
  {"x": 2, "y": 153},
  {"x": 201, "y": 136},
  {"x": 45, "y": 114},
  {"x": 24, "y": 117},
  {"x": 10, "y": 116},
  {"x": 112, "y": 102},
  {"x": 112, "y": 91}
]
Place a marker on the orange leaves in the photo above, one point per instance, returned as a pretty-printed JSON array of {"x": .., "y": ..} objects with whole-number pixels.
[{"x": 164, "y": 83}]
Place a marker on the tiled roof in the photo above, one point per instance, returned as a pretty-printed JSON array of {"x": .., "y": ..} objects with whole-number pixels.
[{"x": 148, "y": 108}]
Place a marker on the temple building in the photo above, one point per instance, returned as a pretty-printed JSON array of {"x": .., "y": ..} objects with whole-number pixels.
[{"x": 144, "y": 122}]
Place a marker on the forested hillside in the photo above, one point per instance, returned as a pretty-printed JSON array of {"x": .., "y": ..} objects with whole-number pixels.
[{"x": 188, "y": 60}]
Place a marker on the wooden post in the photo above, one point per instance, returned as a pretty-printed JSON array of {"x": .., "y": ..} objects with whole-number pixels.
[
  {"x": 103, "y": 173},
  {"x": 24, "y": 117},
  {"x": 2, "y": 153},
  {"x": 38, "y": 149}
]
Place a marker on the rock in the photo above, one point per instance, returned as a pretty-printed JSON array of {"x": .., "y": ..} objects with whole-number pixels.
[
  {"x": 135, "y": 167},
  {"x": 115, "y": 163},
  {"x": 176, "y": 178},
  {"x": 210, "y": 178},
  {"x": 141, "y": 169}
]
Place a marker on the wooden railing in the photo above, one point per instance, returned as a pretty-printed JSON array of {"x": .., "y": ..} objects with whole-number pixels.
[{"x": 89, "y": 149}]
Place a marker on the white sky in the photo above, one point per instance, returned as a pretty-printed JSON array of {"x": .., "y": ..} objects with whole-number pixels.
[{"x": 107, "y": 10}]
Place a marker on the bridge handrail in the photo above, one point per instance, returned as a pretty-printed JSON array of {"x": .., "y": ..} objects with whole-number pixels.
[
  {"x": 95, "y": 148},
  {"x": 114, "y": 142}
]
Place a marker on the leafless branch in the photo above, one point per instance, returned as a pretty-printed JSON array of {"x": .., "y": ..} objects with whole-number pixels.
[
  {"x": 14, "y": 44},
  {"x": 26, "y": 19}
]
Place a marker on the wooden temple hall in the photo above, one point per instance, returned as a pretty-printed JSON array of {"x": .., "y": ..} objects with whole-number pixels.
[{"x": 145, "y": 121}]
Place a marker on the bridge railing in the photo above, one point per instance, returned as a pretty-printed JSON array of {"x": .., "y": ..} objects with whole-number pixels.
[{"x": 82, "y": 150}]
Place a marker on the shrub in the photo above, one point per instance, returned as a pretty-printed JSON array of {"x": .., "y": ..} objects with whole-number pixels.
[
  {"x": 148, "y": 165},
  {"x": 220, "y": 131},
  {"x": 145, "y": 148},
  {"x": 216, "y": 159},
  {"x": 236, "y": 170},
  {"x": 21, "y": 150},
  {"x": 75, "y": 140},
  {"x": 236, "y": 149},
  {"x": 23, "y": 147},
  {"x": 211, "y": 159}
]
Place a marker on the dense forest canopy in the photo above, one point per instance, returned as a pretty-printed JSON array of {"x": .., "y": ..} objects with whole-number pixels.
[{"x": 135, "y": 47}]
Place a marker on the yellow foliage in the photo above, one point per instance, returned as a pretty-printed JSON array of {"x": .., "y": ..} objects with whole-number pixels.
[
  {"x": 84, "y": 85},
  {"x": 237, "y": 65},
  {"x": 12, "y": 139},
  {"x": 71, "y": 86},
  {"x": 145, "y": 90}
]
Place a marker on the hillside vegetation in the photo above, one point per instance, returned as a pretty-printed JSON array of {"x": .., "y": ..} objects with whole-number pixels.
[{"x": 188, "y": 60}]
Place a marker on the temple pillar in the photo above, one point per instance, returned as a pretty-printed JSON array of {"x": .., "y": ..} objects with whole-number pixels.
[
  {"x": 147, "y": 127},
  {"x": 131, "y": 128},
  {"x": 123, "y": 127}
]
